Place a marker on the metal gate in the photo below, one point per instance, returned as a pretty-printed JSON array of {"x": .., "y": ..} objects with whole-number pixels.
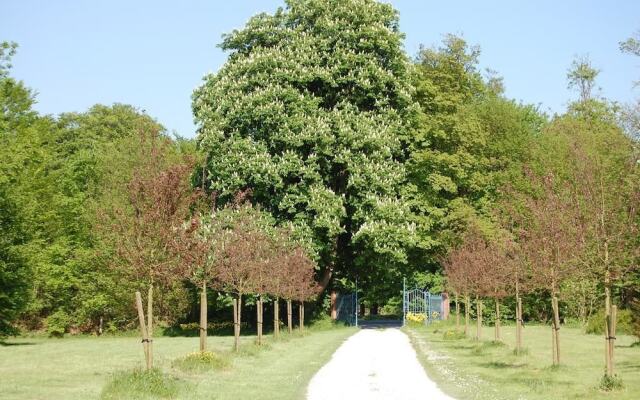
[
  {"x": 421, "y": 302},
  {"x": 347, "y": 308}
]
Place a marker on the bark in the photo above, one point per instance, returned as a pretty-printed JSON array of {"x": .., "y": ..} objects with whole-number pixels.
[
  {"x": 334, "y": 310},
  {"x": 326, "y": 278}
]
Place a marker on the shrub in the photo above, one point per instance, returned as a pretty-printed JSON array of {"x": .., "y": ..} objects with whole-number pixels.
[
  {"x": 609, "y": 383},
  {"x": 453, "y": 334},
  {"x": 58, "y": 323},
  {"x": 595, "y": 324},
  {"x": 140, "y": 384},
  {"x": 415, "y": 319},
  {"x": 201, "y": 361}
]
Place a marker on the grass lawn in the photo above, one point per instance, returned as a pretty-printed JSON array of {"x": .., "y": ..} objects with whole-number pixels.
[
  {"x": 467, "y": 369},
  {"x": 79, "y": 368}
]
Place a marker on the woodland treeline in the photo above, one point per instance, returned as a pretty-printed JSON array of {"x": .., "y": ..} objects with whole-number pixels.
[{"x": 348, "y": 156}]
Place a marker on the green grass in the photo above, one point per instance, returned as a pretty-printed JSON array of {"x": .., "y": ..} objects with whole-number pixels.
[
  {"x": 468, "y": 369},
  {"x": 86, "y": 368}
]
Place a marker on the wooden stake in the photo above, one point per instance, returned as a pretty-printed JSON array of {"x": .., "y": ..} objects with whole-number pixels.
[
  {"x": 457, "y": 312},
  {"x": 276, "y": 319},
  {"x": 203, "y": 317},
  {"x": 150, "y": 324},
  {"x": 301, "y": 316},
  {"x": 259, "y": 319},
  {"x": 497, "y": 319},
  {"x": 236, "y": 339},
  {"x": 611, "y": 339},
  {"x": 518, "y": 325},
  {"x": 556, "y": 330},
  {"x": 290, "y": 316},
  {"x": 466, "y": 315},
  {"x": 143, "y": 329},
  {"x": 478, "y": 319}
]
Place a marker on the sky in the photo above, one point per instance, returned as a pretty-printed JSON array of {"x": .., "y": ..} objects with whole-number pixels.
[{"x": 152, "y": 54}]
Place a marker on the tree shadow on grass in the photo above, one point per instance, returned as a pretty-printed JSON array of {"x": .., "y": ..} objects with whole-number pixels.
[
  {"x": 501, "y": 365},
  {"x": 7, "y": 344}
]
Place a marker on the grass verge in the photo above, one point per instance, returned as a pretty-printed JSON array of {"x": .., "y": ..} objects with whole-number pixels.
[
  {"x": 468, "y": 369},
  {"x": 141, "y": 385},
  {"x": 88, "y": 368}
]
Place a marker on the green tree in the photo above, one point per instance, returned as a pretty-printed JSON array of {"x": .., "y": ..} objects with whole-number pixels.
[
  {"x": 470, "y": 140},
  {"x": 582, "y": 77},
  {"x": 310, "y": 112}
]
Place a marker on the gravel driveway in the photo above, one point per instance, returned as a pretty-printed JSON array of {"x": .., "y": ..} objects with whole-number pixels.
[{"x": 374, "y": 364}]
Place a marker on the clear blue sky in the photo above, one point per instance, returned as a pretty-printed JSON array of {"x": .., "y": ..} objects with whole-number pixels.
[{"x": 152, "y": 54}]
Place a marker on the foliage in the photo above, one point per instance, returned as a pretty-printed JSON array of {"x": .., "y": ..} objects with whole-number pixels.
[
  {"x": 58, "y": 323},
  {"x": 595, "y": 324},
  {"x": 310, "y": 111}
]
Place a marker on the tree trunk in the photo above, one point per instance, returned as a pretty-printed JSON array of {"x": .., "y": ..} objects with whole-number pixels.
[
  {"x": 497, "y": 319},
  {"x": 478, "y": 318},
  {"x": 301, "y": 309},
  {"x": 259, "y": 319},
  {"x": 374, "y": 309},
  {"x": 235, "y": 324},
  {"x": 143, "y": 329},
  {"x": 334, "y": 310},
  {"x": 610, "y": 336},
  {"x": 289, "y": 316},
  {"x": 466, "y": 315},
  {"x": 457, "y": 313},
  {"x": 556, "y": 330},
  {"x": 150, "y": 324},
  {"x": 237, "y": 321},
  {"x": 203, "y": 317},
  {"x": 276, "y": 318},
  {"x": 518, "y": 324}
]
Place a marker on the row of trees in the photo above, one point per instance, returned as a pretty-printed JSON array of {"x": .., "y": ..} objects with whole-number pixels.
[
  {"x": 377, "y": 162},
  {"x": 165, "y": 231},
  {"x": 569, "y": 220}
]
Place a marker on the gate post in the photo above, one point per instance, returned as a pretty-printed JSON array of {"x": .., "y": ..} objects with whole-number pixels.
[
  {"x": 404, "y": 301},
  {"x": 428, "y": 295},
  {"x": 357, "y": 304}
]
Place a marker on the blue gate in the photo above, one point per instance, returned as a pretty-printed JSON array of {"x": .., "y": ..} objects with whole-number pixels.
[
  {"x": 421, "y": 304},
  {"x": 347, "y": 308}
]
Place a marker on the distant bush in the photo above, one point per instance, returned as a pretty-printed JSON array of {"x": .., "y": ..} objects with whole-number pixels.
[
  {"x": 58, "y": 323},
  {"x": 595, "y": 324}
]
